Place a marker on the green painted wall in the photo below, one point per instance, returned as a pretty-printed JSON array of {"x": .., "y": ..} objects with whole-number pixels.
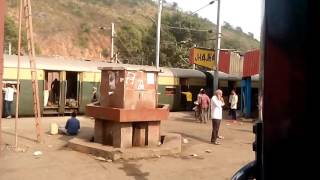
[
  {"x": 26, "y": 97},
  {"x": 86, "y": 94},
  {"x": 175, "y": 101},
  {"x": 172, "y": 100}
]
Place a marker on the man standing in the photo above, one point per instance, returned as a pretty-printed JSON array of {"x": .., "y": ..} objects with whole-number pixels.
[
  {"x": 204, "y": 105},
  {"x": 55, "y": 89},
  {"x": 216, "y": 115},
  {"x": 188, "y": 95},
  {"x": 233, "y": 100},
  {"x": 9, "y": 91},
  {"x": 197, "y": 107}
]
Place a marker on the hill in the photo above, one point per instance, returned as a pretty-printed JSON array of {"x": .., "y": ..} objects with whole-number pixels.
[{"x": 72, "y": 28}]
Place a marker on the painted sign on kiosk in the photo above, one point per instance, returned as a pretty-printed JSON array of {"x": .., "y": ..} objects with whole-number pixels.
[{"x": 202, "y": 57}]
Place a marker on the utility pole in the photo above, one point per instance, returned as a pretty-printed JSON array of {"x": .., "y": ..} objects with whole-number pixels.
[
  {"x": 217, "y": 53},
  {"x": 112, "y": 36},
  {"x": 158, "y": 34},
  {"x": 34, "y": 77}
]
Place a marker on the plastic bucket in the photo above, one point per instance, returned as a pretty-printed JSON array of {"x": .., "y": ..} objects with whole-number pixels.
[{"x": 54, "y": 128}]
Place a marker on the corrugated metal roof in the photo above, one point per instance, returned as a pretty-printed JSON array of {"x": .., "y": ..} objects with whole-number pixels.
[
  {"x": 236, "y": 64},
  {"x": 63, "y": 64},
  {"x": 130, "y": 67},
  {"x": 54, "y": 63},
  {"x": 223, "y": 75},
  {"x": 224, "y": 61},
  {"x": 251, "y": 63},
  {"x": 182, "y": 73}
]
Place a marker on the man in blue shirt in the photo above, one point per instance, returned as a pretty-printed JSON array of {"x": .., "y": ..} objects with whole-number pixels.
[{"x": 72, "y": 126}]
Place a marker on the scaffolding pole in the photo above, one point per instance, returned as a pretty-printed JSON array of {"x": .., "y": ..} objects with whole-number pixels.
[
  {"x": 18, "y": 74},
  {"x": 34, "y": 78}
]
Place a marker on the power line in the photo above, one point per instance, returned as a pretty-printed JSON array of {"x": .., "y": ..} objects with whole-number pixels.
[{"x": 202, "y": 7}]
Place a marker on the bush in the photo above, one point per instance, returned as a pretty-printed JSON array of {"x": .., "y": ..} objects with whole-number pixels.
[
  {"x": 85, "y": 28},
  {"x": 83, "y": 41},
  {"x": 11, "y": 35},
  {"x": 74, "y": 8},
  {"x": 105, "y": 53}
]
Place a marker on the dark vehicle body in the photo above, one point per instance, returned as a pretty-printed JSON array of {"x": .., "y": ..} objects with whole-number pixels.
[{"x": 287, "y": 135}]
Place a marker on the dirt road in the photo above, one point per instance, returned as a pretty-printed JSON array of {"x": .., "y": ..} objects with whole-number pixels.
[{"x": 61, "y": 163}]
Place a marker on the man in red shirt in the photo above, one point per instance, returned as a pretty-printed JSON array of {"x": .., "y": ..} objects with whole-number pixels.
[{"x": 204, "y": 105}]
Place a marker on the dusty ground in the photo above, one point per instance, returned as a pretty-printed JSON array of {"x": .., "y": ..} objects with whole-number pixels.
[{"x": 59, "y": 162}]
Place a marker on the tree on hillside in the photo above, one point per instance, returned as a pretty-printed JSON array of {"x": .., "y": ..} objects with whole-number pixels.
[
  {"x": 129, "y": 42},
  {"x": 11, "y": 35},
  {"x": 174, "y": 5},
  {"x": 239, "y": 29},
  {"x": 227, "y": 25},
  {"x": 250, "y": 34},
  {"x": 76, "y": 24}
]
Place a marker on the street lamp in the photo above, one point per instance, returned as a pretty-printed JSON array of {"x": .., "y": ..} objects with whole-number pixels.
[
  {"x": 203, "y": 7},
  {"x": 218, "y": 41}
]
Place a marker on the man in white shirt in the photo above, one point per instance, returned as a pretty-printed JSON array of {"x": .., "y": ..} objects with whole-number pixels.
[
  {"x": 233, "y": 100},
  {"x": 9, "y": 91},
  {"x": 216, "y": 115}
]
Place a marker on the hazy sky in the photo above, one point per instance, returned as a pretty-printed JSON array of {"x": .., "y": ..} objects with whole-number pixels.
[{"x": 244, "y": 13}]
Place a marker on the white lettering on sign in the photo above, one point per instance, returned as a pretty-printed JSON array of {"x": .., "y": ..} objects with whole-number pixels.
[
  {"x": 130, "y": 78},
  {"x": 140, "y": 85}
]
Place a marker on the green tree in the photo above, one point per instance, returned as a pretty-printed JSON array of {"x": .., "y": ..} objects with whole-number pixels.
[
  {"x": 227, "y": 25},
  {"x": 179, "y": 32},
  {"x": 129, "y": 42},
  {"x": 250, "y": 34},
  {"x": 239, "y": 29},
  {"x": 11, "y": 35}
]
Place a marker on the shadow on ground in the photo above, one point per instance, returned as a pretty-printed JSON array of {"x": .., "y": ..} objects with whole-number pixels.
[
  {"x": 133, "y": 170},
  {"x": 185, "y": 135},
  {"x": 20, "y": 136}
]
